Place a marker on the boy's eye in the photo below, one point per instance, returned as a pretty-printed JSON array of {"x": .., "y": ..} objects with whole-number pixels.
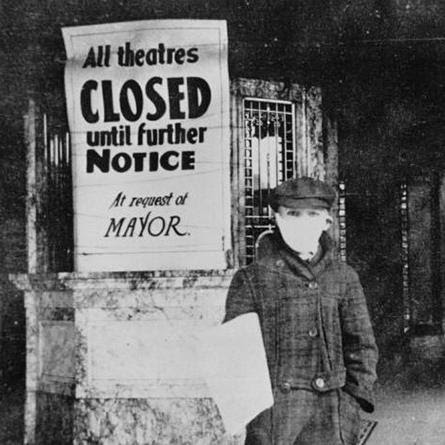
[
  {"x": 297, "y": 213},
  {"x": 294, "y": 213}
]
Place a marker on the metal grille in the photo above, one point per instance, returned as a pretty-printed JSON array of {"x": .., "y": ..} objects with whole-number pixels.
[
  {"x": 342, "y": 220},
  {"x": 405, "y": 255},
  {"x": 269, "y": 159},
  {"x": 58, "y": 201}
]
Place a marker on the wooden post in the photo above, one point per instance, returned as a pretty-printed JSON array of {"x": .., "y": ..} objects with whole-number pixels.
[
  {"x": 314, "y": 118},
  {"x": 31, "y": 186},
  {"x": 331, "y": 168},
  {"x": 302, "y": 138},
  {"x": 309, "y": 124},
  {"x": 35, "y": 190},
  {"x": 237, "y": 200}
]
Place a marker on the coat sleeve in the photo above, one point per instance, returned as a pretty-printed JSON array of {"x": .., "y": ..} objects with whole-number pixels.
[
  {"x": 359, "y": 347},
  {"x": 240, "y": 298}
]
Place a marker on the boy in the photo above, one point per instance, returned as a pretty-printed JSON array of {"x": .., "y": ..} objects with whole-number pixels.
[{"x": 314, "y": 320}]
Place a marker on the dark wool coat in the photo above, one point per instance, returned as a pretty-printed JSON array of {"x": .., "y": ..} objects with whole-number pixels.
[{"x": 317, "y": 336}]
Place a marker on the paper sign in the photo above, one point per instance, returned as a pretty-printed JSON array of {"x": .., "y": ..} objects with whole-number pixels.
[
  {"x": 233, "y": 362},
  {"x": 148, "y": 111}
]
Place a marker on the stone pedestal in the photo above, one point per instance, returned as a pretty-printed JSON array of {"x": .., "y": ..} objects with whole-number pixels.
[{"x": 110, "y": 358}]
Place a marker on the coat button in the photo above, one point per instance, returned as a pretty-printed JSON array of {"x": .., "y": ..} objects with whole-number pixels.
[
  {"x": 313, "y": 285},
  {"x": 285, "y": 387},
  {"x": 320, "y": 383},
  {"x": 313, "y": 332}
]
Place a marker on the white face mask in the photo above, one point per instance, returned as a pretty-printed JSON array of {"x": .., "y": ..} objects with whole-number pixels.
[{"x": 302, "y": 233}]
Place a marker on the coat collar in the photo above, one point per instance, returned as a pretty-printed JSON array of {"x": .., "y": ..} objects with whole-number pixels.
[{"x": 273, "y": 248}]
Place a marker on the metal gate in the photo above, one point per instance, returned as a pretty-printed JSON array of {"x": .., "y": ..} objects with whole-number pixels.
[
  {"x": 269, "y": 159},
  {"x": 49, "y": 193}
]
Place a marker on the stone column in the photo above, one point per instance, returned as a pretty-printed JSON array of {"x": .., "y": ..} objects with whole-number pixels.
[{"x": 110, "y": 357}]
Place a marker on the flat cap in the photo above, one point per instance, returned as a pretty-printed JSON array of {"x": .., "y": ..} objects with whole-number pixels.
[{"x": 302, "y": 193}]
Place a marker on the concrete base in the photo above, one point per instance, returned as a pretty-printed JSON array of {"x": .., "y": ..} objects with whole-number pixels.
[{"x": 111, "y": 360}]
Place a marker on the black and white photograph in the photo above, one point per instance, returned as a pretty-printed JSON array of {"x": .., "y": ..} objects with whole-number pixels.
[{"x": 222, "y": 222}]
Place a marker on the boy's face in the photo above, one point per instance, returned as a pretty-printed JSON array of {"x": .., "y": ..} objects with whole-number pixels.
[{"x": 301, "y": 228}]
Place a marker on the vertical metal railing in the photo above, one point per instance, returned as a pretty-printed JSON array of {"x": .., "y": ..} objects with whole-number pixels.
[
  {"x": 404, "y": 220},
  {"x": 49, "y": 193},
  {"x": 269, "y": 159},
  {"x": 342, "y": 220},
  {"x": 58, "y": 196}
]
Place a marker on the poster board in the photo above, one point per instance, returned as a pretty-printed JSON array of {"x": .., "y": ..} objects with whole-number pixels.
[{"x": 148, "y": 112}]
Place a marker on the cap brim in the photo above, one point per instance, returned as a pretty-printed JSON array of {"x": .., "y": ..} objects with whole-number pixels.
[{"x": 302, "y": 203}]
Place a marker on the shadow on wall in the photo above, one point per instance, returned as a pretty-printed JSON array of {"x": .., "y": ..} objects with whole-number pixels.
[
  {"x": 13, "y": 336},
  {"x": 12, "y": 363},
  {"x": 12, "y": 412}
]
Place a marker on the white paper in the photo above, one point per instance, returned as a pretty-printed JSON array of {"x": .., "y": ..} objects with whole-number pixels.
[
  {"x": 234, "y": 365},
  {"x": 157, "y": 203}
]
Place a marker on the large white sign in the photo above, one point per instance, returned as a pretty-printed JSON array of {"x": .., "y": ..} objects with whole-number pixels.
[{"x": 148, "y": 111}]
